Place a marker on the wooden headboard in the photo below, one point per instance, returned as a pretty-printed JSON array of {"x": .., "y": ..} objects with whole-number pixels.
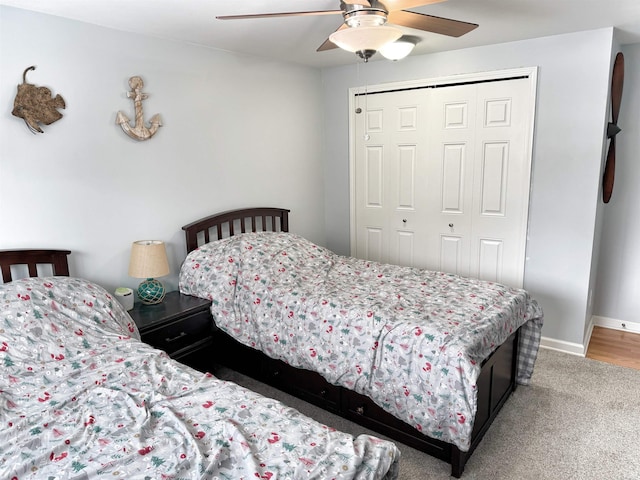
[
  {"x": 226, "y": 224},
  {"x": 32, "y": 258}
]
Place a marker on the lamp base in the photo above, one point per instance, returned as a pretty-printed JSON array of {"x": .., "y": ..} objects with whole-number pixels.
[{"x": 151, "y": 291}]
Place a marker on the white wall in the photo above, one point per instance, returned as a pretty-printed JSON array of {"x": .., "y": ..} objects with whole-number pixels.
[
  {"x": 242, "y": 131},
  {"x": 238, "y": 131},
  {"x": 569, "y": 139},
  {"x": 618, "y": 287}
]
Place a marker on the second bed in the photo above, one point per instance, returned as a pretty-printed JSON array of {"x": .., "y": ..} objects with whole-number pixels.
[{"x": 426, "y": 357}]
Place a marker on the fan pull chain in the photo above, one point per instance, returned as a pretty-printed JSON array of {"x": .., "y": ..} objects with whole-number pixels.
[
  {"x": 358, "y": 109},
  {"x": 366, "y": 109},
  {"x": 366, "y": 133}
]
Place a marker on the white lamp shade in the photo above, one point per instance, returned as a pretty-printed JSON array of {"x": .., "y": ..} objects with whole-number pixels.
[
  {"x": 148, "y": 259},
  {"x": 364, "y": 38},
  {"x": 397, "y": 50}
]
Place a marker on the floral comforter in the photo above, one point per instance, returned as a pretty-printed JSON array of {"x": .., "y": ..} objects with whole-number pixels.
[
  {"x": 81, "y": 397},
  {"x": 411, "y": 340}
]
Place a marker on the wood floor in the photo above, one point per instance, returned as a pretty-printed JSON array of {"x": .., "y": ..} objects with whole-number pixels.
[{"x": 615, "y": 346}]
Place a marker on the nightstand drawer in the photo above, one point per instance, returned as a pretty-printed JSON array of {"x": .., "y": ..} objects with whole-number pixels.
[{"x": 186, "y": 331}]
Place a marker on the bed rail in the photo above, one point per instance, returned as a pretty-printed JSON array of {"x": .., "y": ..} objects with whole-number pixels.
[{"x": 227, "y": 224}]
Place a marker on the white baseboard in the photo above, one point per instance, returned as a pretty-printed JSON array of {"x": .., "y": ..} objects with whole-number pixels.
[
  {"x": 562, "y": 346},
  {"x": 581, "y": 350},
  {"x": 605, "y": 322}
]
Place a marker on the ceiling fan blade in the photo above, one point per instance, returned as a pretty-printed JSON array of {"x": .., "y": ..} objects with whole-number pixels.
[
  {"x": 281, "y": 14},
  {"x": 328, "y": 44},
  {"x": 407, "y": 4},
  {"x": 617, "y": 81},
  {"x": 609, "y": 172},
  {"x": 429, "y": 23}
]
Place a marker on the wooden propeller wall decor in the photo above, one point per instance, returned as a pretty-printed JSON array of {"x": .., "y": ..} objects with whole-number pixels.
[
  {"x": 617, "y": 80},
  {"x": 372, "y": 13}
]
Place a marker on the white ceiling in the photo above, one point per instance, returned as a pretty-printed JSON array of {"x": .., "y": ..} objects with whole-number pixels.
[{"x": 295, "y": 39}]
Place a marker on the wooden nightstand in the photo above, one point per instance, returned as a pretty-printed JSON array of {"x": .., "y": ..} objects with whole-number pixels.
[{"x": 181, "y": 326}]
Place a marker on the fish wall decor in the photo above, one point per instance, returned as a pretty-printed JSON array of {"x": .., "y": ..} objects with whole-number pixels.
[
  {"x": 36, "y": 105},
  {"x": 139, "y": 131}
]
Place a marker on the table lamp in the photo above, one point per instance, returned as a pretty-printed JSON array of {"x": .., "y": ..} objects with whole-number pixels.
[{"x": 148, "y": 260}]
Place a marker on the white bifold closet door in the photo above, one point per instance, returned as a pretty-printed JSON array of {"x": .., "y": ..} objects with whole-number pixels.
[{"x": 441, "y": 178}]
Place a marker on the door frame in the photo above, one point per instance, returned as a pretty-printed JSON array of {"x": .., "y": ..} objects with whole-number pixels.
[{"x": 531, "y": 73}]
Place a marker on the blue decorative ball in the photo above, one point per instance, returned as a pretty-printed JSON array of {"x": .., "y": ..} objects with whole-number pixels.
[{"x": 151, "y": 292}]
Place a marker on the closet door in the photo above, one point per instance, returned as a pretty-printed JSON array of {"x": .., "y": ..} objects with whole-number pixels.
[
  {"x": 442, "y": 179},
  {"x": 502, "y": 179},
  {"x": 446, "y": 223},
  {"x": 391, "y": 152}
]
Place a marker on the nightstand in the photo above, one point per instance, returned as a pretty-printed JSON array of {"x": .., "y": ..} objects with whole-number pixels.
[{"x": 181, "y": 326}]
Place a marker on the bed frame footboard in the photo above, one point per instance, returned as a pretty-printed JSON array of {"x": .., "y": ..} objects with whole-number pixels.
[{"x": 496, "y": 382}]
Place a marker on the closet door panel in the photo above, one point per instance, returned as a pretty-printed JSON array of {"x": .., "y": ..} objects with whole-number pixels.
[
  {"x": 501, "y": 191},
  {"x": 452, "y": 112},
  {"x": 394, "y": 128}
]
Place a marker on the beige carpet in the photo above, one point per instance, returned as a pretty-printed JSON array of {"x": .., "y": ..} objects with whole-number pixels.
[{"x": 579, "y": 420}]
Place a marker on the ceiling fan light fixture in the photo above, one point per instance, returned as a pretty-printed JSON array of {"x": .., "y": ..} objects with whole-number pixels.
[
  {"x": 365, "y": 18},
  {"x": 365, "y": 38},
  {"x": 397, "y": 50}
]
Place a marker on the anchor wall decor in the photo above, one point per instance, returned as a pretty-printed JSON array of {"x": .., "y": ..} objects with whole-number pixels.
[
  {"x": 36, "y": 105},
  {"x": 139, "y": 131}
]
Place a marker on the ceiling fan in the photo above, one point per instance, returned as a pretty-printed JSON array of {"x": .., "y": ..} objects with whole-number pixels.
[
  {"x": 374, "y": 14},
  {"x": 617, "y": 81}
]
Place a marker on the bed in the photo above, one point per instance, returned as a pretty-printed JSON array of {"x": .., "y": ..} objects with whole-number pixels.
[
  {"x": 426, "y": 358},
  {"x": 82, "y": 397}
]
